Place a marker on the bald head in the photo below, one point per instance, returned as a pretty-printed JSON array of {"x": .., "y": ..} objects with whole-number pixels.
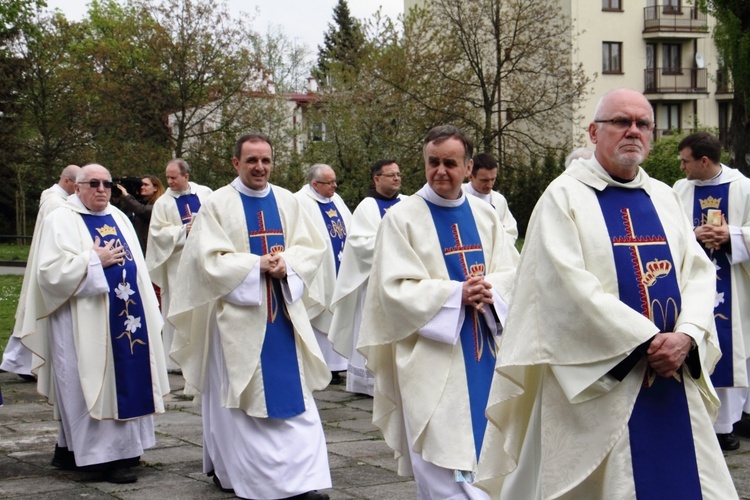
[
  {"x": 68, "y": 178},
  {"x": 95, "y": 198},
  {"x": 621, "y": 130}
]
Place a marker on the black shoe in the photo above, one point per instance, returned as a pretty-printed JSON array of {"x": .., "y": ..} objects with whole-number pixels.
[
  {"x": 728, "y": 442},
  {"x": 64, "y": 459},
  {"x": 27, "y": 378},
  {"x": 310, "y": 495},
  {"x": 119, "y": 476},
  {"x": 742, "y": 428},
  {"x": 218, "y": 483},
  {"x": 336, "y": 379}
]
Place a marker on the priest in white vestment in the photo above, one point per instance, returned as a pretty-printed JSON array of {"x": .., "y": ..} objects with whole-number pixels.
[
  {"x": 436, "y": 300},
  {"x": 171, "y": 219},
  {"x": 602, "y": 385},
  {"x": 16, "y": 358},
  {"x": 332, "y": 219},
  {"x": 97, "y": 332},
  {"x": 351, "y": 285},
  {"x": 716, "y": 199},
  {"x": 481, "y": 180},
  {"x": 243, "y": 339}
]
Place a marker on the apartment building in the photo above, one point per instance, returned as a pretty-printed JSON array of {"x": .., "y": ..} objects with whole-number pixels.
[{"x": 663, "y": 48}]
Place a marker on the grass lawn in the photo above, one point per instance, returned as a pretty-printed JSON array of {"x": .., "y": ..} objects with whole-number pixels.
[
  {"x": 9, "y": 251},
  {"x": 10, "y": 288}
]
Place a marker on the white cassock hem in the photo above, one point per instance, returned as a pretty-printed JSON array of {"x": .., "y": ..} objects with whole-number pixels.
[{"x": 260, "y": 458}]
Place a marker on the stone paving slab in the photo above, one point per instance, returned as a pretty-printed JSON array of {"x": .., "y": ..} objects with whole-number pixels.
[{"x": 362, "y": 465}]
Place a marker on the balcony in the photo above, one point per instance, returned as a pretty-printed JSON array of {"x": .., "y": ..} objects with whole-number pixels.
[
  {"x": 676, "y": 80},
  {"x": 666, "y": 21},
  {"x": 724, "y": 84}
]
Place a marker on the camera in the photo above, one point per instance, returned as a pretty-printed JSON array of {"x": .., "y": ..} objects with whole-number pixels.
[{"x": 131, "y": 184}]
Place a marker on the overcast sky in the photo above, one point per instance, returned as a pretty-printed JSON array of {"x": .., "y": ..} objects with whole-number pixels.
[{"x": 302, "y": 20}]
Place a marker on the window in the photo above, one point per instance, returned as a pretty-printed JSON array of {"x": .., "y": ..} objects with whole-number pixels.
[
  {"x": 672, "y": 6},
  {"x": 318, "y": 131},
  {"x": 672, "y": 112},
  {"x": 672, "y": 59},
  {"x": 612, "y": 57},
  {"x": 612, "y": 5}
]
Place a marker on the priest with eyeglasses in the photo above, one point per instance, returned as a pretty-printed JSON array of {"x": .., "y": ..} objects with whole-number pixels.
[{"x": 94, "y": 322}]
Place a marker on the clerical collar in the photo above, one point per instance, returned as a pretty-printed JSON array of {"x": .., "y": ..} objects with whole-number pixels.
[
  {"x": 430, "y": 195},
  {"x": 177, "y": 194},
  {"x": 715, "y": 180},
  {"x": 621, "y": 180},
  {"x": 318, "y": 197},
  {"x": 468, "y": 188},
  {"x": 260, "y": 193},
  {"x": 76, "y": 202},
  {"x": 372, "y": 193}
]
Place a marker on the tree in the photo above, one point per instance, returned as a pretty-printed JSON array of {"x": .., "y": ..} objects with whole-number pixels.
[
  {"x": 508, "y": 65},
  {"x": 343, "y": 43},
  {"x": 732, "y": 35}
]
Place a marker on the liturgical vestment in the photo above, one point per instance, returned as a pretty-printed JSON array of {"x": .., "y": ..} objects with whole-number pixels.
[
  {"x": 411, "y": 323},
  {"x": 574, "y": 412},
  {"x": 98, "y": 342},
  {"x": 223, "y": 310}
]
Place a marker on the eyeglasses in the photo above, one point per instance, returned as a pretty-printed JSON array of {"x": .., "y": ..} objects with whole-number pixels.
[
  {"x": 626, "y": 123},
  {"x": 395, "y": 174},
  {"x": 327, "y": 182},
  {"x": 96, "y": 183}
]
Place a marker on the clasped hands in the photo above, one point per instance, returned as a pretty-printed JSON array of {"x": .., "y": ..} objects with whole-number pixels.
[
  {"x": 668, "y": 351},
  {"x": 108, "y": 252},
  {"x": 274, "y": 265},
  {"x": 713, "y": 236},
  {"x": 476, "y": 293}
]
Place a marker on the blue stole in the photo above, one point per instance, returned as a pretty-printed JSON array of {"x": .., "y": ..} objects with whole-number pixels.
[
  {"x": 127, "y": 325},
  {"x": 384, "y": 205},
  {"x": 187, "y": 205},
  {"x": 462, "y": 251},
  {"x": 278, "y": 356},
  {"x": 661, "y": 437},
  {"x": 707, "y": 197},
  {"x": 336, "y": 230}
]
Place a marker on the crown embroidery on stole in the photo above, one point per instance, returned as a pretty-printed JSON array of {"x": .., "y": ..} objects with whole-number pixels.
[
  {"x": 710, "y": 202},
  {"x": 106, "y": 230}
]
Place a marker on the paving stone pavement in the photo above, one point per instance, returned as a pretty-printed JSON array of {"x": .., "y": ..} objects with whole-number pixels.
[{"x": 362, "y": 465}]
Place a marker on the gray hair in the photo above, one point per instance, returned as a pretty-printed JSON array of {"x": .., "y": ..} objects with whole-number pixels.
[
  {"x": 313, "y": 173},
  {"x": 181, "y": 164},
  {"x": 603, "y": 99}
]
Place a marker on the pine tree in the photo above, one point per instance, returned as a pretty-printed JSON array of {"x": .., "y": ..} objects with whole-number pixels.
[{"x": 343, "y": 43}]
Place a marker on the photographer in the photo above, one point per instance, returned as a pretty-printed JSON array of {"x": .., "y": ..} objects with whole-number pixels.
[{"x": 139, "y": 211}]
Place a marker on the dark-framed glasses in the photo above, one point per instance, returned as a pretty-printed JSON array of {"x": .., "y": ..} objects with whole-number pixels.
[
  {"x": 626, "y": 123},
  {"x": 327, "y": 182},
  {"x": 395, "y": 174},
  {"x": 96, "y": 183}
]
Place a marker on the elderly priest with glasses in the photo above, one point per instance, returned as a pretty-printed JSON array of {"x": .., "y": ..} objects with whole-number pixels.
[
  {"x": 602, "y": 388},
  {"x": 98, "y": 333}
]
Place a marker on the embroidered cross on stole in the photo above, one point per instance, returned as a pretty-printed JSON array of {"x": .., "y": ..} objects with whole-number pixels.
[
  {"x": 187, "y": 205},
  {"x": 717, "y": 197},
  {"x": 278, "y": 357},
  {"x": 661, "y": 438},
  {"x": 336, "y": 230},
  {"x": 127, "y": 325},
  {"x": 385, "y": 205},
  {"x": 464, "y": 257}
]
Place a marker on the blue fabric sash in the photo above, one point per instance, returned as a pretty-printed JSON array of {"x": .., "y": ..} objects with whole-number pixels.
[
  {"x": 705, "y": 198},
  {"x": 661, "y": 437},
  {"x": 127, "y": 325},
  {"x": 464, "y": 257},
  {"x": 187, "y": 205},
  {"x": 278, "y": 357},
  {"x": 384, "y": 205},
  {"x": 336, "y": 230}
]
